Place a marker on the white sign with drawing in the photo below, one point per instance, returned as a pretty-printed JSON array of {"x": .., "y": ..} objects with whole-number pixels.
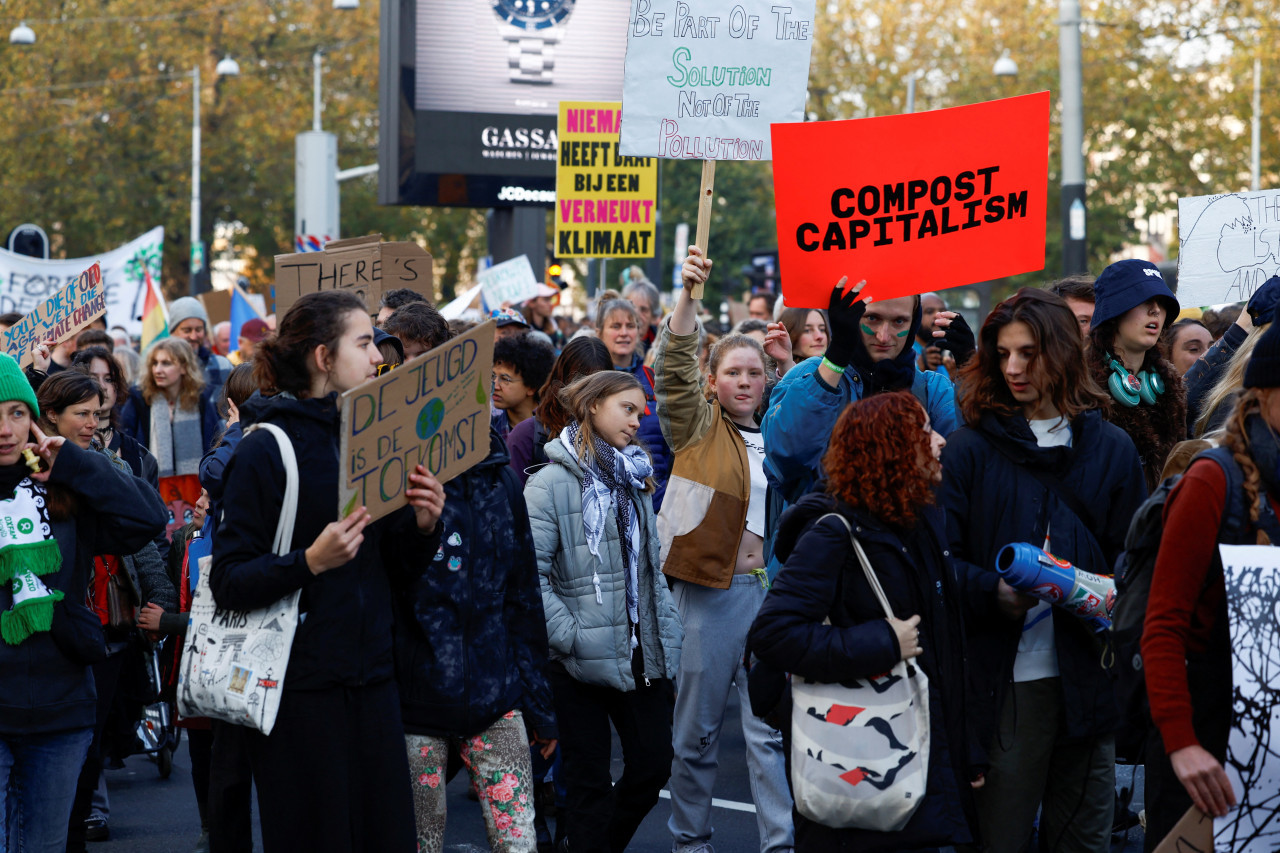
[
  {"x": 1252, "y": 576},
  {"x": 1228, "y": 245}
]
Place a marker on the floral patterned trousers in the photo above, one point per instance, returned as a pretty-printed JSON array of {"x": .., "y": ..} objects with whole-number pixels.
[{"x": 498, "y": 761}]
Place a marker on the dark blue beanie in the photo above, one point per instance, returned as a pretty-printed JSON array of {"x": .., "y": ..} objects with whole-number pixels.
[
  {"x": 1128, "y": 284},
  {"x": 1263, "y": 369}
]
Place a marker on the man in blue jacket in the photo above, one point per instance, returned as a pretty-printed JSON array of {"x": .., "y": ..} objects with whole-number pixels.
[
  {"x": 1037, "y": 463},
  {"x": 869, "y": 353}
]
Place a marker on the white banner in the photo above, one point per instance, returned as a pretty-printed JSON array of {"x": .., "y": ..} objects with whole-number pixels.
[
  {"x": 511, "y": 282},
  {"x": 1228, "y": 245},
  {"x": 1252, "y": 576},
  {"x": 704, "y": 79},
  {"x": 25, "y": 283}
]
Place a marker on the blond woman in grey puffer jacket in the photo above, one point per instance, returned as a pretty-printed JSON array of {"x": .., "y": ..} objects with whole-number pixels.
[{"x": 613, "y": 631}]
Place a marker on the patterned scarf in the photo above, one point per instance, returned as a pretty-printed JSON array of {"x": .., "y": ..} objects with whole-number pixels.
[
  {"x": 177, "y": 444},
  {"x": 27, "y": 551},
  {"x": 609, "y": 473}
]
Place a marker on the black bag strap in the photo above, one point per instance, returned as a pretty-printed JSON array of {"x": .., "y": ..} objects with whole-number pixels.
[
  {"x": 1235, "y": 513},
  {"x": 1050, "y": 482}
]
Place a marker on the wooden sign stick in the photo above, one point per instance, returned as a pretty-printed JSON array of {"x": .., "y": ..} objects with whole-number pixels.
[{"x": 704, "y": 216}]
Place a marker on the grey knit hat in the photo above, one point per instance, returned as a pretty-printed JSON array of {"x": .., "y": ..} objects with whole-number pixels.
[{"x": 184, "y": 309}]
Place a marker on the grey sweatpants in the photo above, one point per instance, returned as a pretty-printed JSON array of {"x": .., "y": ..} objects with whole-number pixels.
[{"x": 716, "y": 622}]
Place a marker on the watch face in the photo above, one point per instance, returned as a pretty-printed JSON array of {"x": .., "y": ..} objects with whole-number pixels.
[{"x": 533, "y": 14}]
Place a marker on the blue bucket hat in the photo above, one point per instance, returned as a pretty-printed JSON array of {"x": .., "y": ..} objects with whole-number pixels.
[
  {"x": 1262, "y": 305},
  {"x": 1128, "y": 284}
]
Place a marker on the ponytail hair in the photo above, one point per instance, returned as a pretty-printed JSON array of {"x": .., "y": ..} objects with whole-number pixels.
[
  {"x": 579, "y": 397},
  {"x": 281, "y": 362},
  {"x": 581, "y": 357}
]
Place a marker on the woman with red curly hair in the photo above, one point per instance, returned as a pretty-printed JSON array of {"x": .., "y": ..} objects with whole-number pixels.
[{"x": 822, "y": 621}]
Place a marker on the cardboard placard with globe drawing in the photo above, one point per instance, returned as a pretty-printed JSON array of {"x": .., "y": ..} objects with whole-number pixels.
[{"x": 432, "y": 411}]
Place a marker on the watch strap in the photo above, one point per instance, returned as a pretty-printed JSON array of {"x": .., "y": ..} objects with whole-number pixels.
[{"x": 531, "y": 59}]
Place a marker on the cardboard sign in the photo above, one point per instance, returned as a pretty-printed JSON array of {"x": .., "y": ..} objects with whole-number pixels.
[
  {"x": 364, "y": 265},
  {"x": 1228, "y": 246},
  {"x": 705, "y": 78},
  {"x": 217, "y": 304},
  {"x": 912, "y": 203},
  {"x": 61, "y": 316},
  {"x": 432, "y": 411},
  {"x": 1251, "y": 574},
  {"x": 511, "y": 281},
  {"x": 605, "y": 202},
  {"x": 1193, "y": 833}
]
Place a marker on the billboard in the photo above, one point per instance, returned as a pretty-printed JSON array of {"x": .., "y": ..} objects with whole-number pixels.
[{"x": 470, "y": 94}]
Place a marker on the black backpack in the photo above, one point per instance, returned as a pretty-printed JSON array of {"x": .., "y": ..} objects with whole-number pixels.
[{"x": 1134, "y": 568}]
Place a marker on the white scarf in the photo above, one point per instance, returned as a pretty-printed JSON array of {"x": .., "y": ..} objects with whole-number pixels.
[
  {"x": 27, "y": 551},
  {"x": 604, "y": 487}
]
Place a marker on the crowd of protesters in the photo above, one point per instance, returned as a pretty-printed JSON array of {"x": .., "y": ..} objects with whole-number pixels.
[{"x": 664, "y": 516}]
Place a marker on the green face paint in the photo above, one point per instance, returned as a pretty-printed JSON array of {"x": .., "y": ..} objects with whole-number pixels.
[
  {"x": 867, "y": 330},
  {"x": 903, "y": 333}
]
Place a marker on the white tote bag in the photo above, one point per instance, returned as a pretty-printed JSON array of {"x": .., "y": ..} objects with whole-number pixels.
[
  {"x": 234, "y": 661},
  {"x": 860, "y": 750}
]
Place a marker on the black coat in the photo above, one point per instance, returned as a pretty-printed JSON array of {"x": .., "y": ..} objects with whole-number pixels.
[
  {"x": 991, "y": 502},
  {"x": 471, "y": 638},
  {"x": 345, "y": 638},
  {"x": 139, "y": 458},
  {"x": 41, "y": 688},
  {"x": 822, "y": 579}
]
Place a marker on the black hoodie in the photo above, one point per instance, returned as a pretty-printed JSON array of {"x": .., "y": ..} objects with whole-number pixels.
[
  {"x": 43, "y": 689},
  {"x": 889, "y": 374},
  {"x": 992, "y": 501},
  {"x": 344, "y": 639}
]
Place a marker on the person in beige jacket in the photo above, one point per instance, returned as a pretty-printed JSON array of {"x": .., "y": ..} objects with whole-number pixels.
[{"x": 711, "y": 533}]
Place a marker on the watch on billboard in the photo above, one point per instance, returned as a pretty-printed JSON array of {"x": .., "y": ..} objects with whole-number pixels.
[{"x": 477, "y": 94}]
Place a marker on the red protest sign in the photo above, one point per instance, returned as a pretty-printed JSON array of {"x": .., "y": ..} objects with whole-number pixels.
[{"x": 911, "y": 203}]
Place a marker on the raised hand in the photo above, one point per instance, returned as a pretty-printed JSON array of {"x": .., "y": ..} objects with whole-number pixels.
[{"x": 844, "y": 313}]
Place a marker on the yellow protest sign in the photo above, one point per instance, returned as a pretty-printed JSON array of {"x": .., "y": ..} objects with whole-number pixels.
[{"x": 605, "y": 202}]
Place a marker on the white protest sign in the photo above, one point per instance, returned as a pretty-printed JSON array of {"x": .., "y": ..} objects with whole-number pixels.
[
  {"x": 1252, "y": 577},
  {"x": 1228, "y": 245},
  {"x": 510, "y": 281},
  {"x": 704, "y": 79},
  {"x": 456, "y": 309},
  {"x": 25, "y": 283}
]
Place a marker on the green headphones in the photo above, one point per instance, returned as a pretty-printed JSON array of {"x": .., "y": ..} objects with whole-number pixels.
[{"x": 1128, "y": 389}]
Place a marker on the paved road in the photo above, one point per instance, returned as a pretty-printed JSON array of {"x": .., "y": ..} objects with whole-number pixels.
[{"x": 150, "y": 815}]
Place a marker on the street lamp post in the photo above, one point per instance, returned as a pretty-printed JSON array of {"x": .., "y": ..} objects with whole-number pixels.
[
  {"x": 197, "y": 253},
  {"x": 1074, "y": 256},
  {"x": 227, "y": 67},
  {"x": 1255, "y": 164}
]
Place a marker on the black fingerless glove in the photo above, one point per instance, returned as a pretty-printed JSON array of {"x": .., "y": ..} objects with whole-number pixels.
[
  {"x": 844, "y": 314},
  {"x": 959, "y": 340}
]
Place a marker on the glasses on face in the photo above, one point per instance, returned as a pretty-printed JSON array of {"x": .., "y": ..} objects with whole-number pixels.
[{"x": 504, "y": 379}]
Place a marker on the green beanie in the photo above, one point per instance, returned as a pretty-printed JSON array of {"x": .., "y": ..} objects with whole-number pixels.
[{"x": 14, "y": 384}]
